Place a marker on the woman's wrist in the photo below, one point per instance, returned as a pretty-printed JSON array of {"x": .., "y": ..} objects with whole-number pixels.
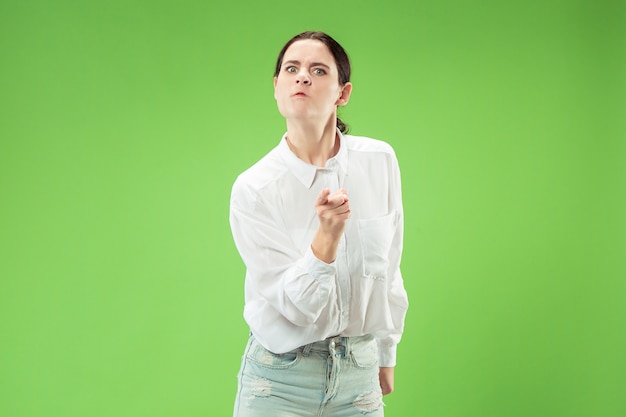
[{"x": 324, "y": 248}]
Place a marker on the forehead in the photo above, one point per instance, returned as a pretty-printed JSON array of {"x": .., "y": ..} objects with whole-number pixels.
[{"x": 309, "y": 50}]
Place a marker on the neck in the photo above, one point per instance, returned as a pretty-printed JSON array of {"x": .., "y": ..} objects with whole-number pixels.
[{"x": 313, "y": 143}]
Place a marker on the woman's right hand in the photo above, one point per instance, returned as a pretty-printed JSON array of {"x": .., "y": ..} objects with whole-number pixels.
[{"x": 333, "y": 210}]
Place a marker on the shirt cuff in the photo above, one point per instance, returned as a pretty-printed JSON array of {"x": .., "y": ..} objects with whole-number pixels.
[
  {"x": 317, "y": 268},
  {"x": 386, "y": 355}
]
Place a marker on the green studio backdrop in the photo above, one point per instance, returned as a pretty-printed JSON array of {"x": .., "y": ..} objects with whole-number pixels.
[{"x": 124, "y": 123}]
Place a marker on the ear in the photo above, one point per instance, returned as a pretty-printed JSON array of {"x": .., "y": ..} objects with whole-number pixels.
[
  {"x": 275, "y": 81},
  {"x": 344, "y": 97}
]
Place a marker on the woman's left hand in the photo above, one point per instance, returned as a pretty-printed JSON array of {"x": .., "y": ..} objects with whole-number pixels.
[{"x": 385, "y": 375}]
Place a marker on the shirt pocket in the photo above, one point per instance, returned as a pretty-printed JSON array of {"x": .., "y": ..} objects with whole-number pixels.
[{"x": 376, "y": 237}]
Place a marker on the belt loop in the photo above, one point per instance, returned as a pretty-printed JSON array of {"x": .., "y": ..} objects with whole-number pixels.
[
  {"x": 306, "y": 349},
  {"x": 348, "y": 347}
]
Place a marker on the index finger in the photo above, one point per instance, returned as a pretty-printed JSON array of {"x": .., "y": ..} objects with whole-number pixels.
[{"x": 322, "y": 197}]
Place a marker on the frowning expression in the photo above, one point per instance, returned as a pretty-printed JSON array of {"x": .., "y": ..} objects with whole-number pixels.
[{"x": 307, "y": 86}]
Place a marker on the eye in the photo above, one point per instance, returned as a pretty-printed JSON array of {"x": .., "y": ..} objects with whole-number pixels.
[
  {"x": 291, "y": 69},
  {"x": 319, "y": 71}
]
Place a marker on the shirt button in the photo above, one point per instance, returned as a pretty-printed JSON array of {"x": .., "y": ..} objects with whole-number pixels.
[{"x": 332, "y": 344}]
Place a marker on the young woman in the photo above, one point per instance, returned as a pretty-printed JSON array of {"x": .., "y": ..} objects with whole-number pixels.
[{"x": 318, "y": 223}]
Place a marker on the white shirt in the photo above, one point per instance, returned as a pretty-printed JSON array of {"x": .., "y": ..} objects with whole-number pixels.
[{"x": 291, "y": 297}]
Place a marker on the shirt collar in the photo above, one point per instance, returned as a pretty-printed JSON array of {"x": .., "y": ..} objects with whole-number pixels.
[{"x": 305, "y": 172}]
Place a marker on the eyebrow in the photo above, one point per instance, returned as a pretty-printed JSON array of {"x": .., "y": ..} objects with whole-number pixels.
[{"x": 313, "y": 64}]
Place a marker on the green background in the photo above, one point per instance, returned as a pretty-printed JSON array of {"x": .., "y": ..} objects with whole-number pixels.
[{"x": 124, "y": 123}]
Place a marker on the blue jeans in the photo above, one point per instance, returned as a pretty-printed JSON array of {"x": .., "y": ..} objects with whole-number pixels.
[{"x": 336, "y": 377}]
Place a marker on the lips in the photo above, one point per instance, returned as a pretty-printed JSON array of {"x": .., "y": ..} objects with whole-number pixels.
[{"x": 300, "y": 94}]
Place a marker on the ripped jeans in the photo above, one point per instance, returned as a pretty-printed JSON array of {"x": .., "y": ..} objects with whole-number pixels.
[{"x": 335, "y": 377}]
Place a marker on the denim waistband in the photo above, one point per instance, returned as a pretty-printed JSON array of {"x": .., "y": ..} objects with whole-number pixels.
[{"x": 337, "y": 343}]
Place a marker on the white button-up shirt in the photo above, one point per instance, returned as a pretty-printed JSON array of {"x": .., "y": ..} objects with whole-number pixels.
[{"x": 291, "y": 297}]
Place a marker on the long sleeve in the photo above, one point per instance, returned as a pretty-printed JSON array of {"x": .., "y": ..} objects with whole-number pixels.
[
  {"x": 396, "y": 294},
  {"x": 297, "y": 286}
]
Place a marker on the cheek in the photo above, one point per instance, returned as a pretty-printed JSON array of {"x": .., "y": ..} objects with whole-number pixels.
[
  {"x": 281, "y": 101},
  {"x": 278, "y": 92},
  {"x": 280, "y": 89},
  {"x": 279, "y": 96},
  {"x": 333, "y": 95}
]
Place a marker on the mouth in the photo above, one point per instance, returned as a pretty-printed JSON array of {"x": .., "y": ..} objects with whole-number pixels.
[{"x": 300, "y": 94}]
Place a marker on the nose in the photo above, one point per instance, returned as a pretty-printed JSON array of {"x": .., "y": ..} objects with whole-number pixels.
[{"x": 303, "y": 78}]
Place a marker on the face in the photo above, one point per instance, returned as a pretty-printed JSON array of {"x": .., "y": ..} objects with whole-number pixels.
[{"x": 307, "y": 86}]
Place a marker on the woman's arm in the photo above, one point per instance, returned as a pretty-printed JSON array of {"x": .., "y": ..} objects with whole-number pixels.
[
  {"x": 396, "y": 294},
  {"x": 297, "y": 286},
  {"x": 385, "y": 376}
]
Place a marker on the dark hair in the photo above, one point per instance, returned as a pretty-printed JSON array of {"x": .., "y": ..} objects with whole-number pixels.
[{"x": 340, "y": 55}]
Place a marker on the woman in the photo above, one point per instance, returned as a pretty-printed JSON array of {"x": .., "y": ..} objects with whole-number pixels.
[{"x": 318, "y": 223}]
